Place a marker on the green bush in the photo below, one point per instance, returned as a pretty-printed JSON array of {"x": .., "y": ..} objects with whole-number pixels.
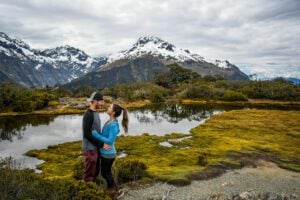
[
  {"x": 83, "y": 91},
  {"x": 20, "y": 99},
  {"x": 202, "y": 91},
  {"x": 41, "y": 99},
  {"x": 156, "y": 97},
  {"x": 174, "y": 76},
  {"x": 21, "y": 106},
  {"x": 19, "y": 184},
  {"x": 234, "y": 96},
  {"x": 129, "y": 170},
  {"x": 210, "y": 78},
  {"x": 137, "y": 91},
  {"x": 277, "y": 89}
]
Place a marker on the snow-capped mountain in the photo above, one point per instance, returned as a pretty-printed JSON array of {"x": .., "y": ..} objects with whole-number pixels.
[
  {"x": 168, "y": 53},
  {"x": 157, "y": 47},
  {"x": 148, "y": 56},
  {"x": 31, "y": 67}
]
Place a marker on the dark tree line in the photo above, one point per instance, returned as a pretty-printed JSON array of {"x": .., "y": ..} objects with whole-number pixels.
[{"x": 177, "y": 83}]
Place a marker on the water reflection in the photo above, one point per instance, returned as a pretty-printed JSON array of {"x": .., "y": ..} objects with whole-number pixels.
[
  {"x": 36, "y": 132},
  {"x": 174, "y": 113},
  {"x": 15, "y": 126}
]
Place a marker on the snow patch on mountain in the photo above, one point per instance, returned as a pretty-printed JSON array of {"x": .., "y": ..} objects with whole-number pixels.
[
  {"x": 5, "y": 51},
  {"x": 220, "y": 63},
  {"x": 38, "y": 66}
]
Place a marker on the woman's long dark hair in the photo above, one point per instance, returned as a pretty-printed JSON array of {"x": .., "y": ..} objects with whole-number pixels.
[{"x": 118, "y": 110}]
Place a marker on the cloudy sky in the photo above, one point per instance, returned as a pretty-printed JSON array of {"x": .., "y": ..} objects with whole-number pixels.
[{"x": 260, "y": 36}]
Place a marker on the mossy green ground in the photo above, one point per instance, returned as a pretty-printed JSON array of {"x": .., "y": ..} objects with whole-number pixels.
[{"x": 229, "y": 139}]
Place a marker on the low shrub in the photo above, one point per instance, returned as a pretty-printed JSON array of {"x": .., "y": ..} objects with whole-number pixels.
[
  {"x": 19, "y": 184},
  {"x": 156, "y": 97},
  {"x": 129, "y": 170},
  {"x": 202, "y": 159},
  {"x": 234, "y": 96},
  {"x": 199, "y": 92}
]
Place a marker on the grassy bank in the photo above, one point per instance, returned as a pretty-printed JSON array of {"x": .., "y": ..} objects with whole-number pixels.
[
  {"x": 65, "y": 110},
  {"x": 229, "y": 140},
  {"x": 251, "y": 103}
]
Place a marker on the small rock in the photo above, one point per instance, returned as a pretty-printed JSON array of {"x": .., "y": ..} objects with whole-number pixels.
[
  {"x": 260, "y": 196},
  {"x": 236, "y": 197},
  {"x": 293, "y": 196},
  {"x": 285, "y": 197},
  {"x": 236, "y": 173},
  {"x": 271, "y": 196},
  {"x": 245, "y": 196},
  {"x": 230, "y": 183},
  {"x": 218, "y": 196}
]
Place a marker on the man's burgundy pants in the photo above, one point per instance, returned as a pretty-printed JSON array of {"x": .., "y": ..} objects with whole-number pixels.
[{"x": 91, "y": 165}]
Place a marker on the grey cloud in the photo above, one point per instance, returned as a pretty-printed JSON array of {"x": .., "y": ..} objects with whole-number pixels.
[{"x": 254, "y": 32}]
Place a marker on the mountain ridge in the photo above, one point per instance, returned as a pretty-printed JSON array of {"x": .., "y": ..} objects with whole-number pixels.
[
  {"x": 43, "y": 67},
  {"x": 65, "y": 64}
]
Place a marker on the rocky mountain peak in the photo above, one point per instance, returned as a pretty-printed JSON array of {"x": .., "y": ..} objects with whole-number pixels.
[
  {"x": 5, "y": 39},
  {"x": 146, "y": 39},
  {"x": 154, "y": 41},
  {"x": 154, "y": 46},
  {"x": 65, "y": 51},
  {"x": 3, "y": 35}
]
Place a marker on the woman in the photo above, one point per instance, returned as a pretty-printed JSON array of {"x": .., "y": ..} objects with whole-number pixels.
[{"x": 109, "y": 134}]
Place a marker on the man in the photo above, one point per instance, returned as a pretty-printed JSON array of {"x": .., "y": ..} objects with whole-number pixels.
[{"x": 90, "y": 145}]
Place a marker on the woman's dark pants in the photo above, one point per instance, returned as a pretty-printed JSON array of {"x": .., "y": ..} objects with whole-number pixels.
[{"x": 106, "y": 166}]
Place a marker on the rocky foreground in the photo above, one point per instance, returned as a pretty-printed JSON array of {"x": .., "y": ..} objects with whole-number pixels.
[{"x": 267, "y": 182}]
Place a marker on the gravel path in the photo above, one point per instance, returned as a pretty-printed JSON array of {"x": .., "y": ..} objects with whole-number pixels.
[{"x": 266, "y": 180}]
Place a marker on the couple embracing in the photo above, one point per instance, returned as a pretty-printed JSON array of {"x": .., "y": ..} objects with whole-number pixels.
[{"x": 98, "y": 145}]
